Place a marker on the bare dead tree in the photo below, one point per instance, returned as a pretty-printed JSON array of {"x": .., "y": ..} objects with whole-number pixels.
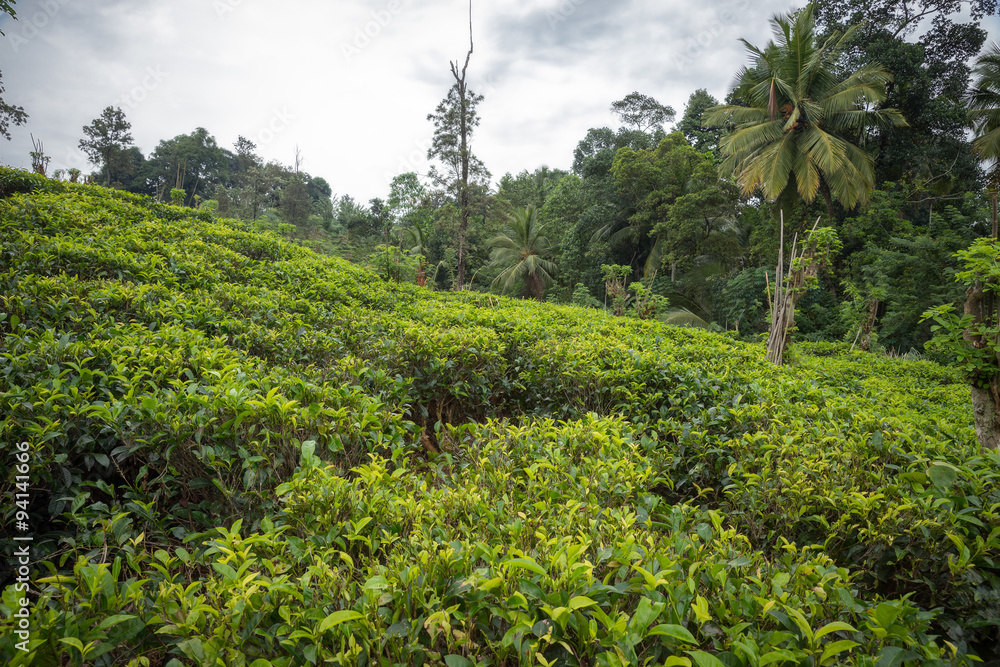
[
  {"x": 789, "y": 288},
  {"x": 39, "y": 160},
  {"x": 463, "y": 227}
]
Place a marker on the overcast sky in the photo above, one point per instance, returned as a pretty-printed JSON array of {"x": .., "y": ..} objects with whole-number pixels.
[{"x": 351, "y": 81}]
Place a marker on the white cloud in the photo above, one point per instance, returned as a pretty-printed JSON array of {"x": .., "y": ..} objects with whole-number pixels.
[{"x": 351, "y": 83}]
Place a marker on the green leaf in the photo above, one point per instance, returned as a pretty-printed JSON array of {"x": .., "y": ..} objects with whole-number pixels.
[
  {"x": 836, "y": 648},
  {"x": 675, "y": 631},
  {"x": 780, "y": 655},
  {"x": 225, "y": 570},
  {"x": 338, "y": 617},
  {"x": 193, "y": 649},
  {"x": 836, "y": 626},
  {"x": 885, "y": 614},
  {"x": 581, "y": 602},
  {"x": 943, "y": 475},
  {"x": 74, "y": 642},
  {"x": 893, "y": 656},
  {"x": 800, "y": 620},
  {"x": 376, "y": 583},
  {"x": 457, "y": 661},
  {"x": 914, "y": 477},
  {"x": 526, "y": 564},
  {"x": 705, "y": 660},
  {"x": 645, "y": 614},
  {"x": 700, "y": 609},
  {"x": 308, "y": 453},
  {"x": 878, "y": 441},
  {"x": 115, "y": 620},
  {"x": 97, "y": 650}
]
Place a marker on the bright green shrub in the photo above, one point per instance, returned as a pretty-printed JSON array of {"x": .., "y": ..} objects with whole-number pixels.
[
  {"x": 578, "y": 562},
  {"x": 176, "y": 373}
]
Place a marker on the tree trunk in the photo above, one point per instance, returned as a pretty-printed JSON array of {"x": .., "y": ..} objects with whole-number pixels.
[
  {"x": 788, "y": 289},
  {"x": 464, "y": 198},
  {"x": 825, "y": 189},
  {"x": 987, "y": 416},
  {"x": 464, "y": 131},
  {"x": 869, "y": 324},
  {"x": 985, "y": 400},
  {"x": 993, "y": 198}
]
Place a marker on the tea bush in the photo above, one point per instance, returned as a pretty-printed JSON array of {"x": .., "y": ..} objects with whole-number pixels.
[{"x": 243, "y": 453}]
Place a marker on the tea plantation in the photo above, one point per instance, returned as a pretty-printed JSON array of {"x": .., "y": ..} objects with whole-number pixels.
[{"x": 243, "y": 453}]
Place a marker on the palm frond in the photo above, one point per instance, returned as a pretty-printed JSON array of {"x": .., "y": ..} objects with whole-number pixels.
[
  {"x": 518, "y": 252},
  {"x": 801, "y": 112},
  {"x": 984, "y": 108}
]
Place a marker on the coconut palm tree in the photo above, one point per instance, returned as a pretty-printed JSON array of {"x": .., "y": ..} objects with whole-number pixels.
[
  {"x": 415, "y": 240},
  {"x": 803, "y": 125},
  {"x": 984, "y": 105},
  {"x": 984, "y": 116},
  {"x": 518, "y": 252},
  {"x": 981, "y": 302}
]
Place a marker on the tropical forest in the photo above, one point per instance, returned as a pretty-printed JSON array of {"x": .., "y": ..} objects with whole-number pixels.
[{"x": 722, "y": 392}]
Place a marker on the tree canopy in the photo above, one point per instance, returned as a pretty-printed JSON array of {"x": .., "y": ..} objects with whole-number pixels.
[
  {"x": 802, "y": 126},
  {"x": 107, "y": 142}
]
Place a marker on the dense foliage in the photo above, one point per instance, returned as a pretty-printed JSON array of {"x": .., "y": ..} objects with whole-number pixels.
[
  {"x": 865, "y": 104},
  {"x": 244, "y": 453}
]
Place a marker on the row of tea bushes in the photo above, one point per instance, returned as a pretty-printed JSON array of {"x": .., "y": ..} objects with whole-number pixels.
[
  {"x": 541, "y": 545},
  {"x": 166, "y": 368}
]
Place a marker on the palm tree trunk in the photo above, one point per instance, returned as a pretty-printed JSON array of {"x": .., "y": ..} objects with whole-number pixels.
[
  {"x": 825, "y": 189},
  {"x": 993, "y": 198}
]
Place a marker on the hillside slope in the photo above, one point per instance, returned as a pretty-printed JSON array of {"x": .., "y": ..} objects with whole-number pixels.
[{"x": 243, "y": 453}]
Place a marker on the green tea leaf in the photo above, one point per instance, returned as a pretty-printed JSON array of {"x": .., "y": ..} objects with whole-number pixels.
[
  {"x": 914, "y": 477},
  {"x": 705, "y": 660},
  {"x": 943, "y": 475},
  {"x": 74, "y": 642},
  {"x": 836, "y": 626},
  {"x": 525, "y": 564},
  {"x": 893, "y": 656},
  {"x": 193, "y": 649},
  {"x": 581, "y": 602},
  {"x": 836, "y": 648},
  {"x": 338, "y": 617},
  {"x": 675, "y": 631},
  {"x": 886, "y": 614},
  {"x": 779, "y": 655}
]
